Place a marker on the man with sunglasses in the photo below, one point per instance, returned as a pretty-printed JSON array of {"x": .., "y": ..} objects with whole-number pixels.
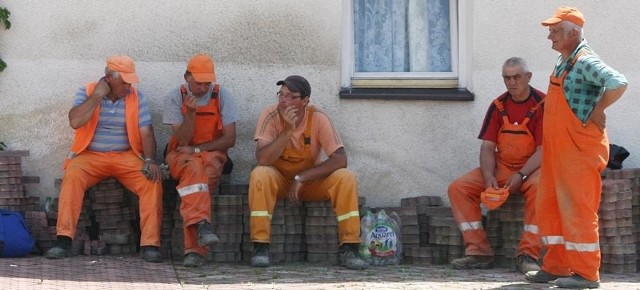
[
  {"x": 291, "y": 136},
  {"x": 510, "y": 153},
  {"x": 203, "y": 116}
]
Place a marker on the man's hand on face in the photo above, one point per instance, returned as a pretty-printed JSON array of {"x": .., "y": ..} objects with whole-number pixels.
[
  {"x": 289, "y": 115},
  {"x": 191, "y": 102},
  {"x": 102, "y": 89}
]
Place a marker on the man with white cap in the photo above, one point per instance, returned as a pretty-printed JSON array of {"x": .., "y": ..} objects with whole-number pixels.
[
  {"x": 113, "y": 138},
  {"x": 576, "y": 150},
  {"x": 203, "y": 117}
]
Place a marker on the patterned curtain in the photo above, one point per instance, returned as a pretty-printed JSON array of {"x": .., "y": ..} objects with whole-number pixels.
[{"x": 402, "y": 36}]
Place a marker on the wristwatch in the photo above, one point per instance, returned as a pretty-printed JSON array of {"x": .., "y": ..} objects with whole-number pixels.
[
  {"x": 196, "y": 149},
  {"x": 297, "y": 178},
  {"x": 523, "y": 176}
]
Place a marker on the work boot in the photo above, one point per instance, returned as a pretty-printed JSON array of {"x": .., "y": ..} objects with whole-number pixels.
[
  {"x": 473, "y": 262},
  {"x": 205, "y": 234},
  {"x": 150, "y": 254},
  {"x": 540, "y": 277},
  {"x": 61, "y": 249},
  {"x": 260, "y": 256},
  {"x": 576, "y": 281},
  {"x": 526, "y": 264},
  {"x": 193, "y": 260},
  {"x": 350, "y": 258}
]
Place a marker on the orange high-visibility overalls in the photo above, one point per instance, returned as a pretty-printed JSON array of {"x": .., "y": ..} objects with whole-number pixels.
[
  {"x": 197, "y": 172},
  {"x": 515, "y": 145},
  {"x": 84, "y": 169},
  {"x": 267, "y": 184},
  {"x": 573, "y": 156}
]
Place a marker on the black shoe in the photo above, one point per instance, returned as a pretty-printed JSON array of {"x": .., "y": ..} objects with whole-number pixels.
[
  {"x": 193, "y": 260},
  {"x": 151, "y": 254},
  {"x": 541, "y": 277},
  {"x": 260, "y": 256},
  {"x": 576, "y": 281},
  {"x": 205, "y": 234},
  {"x": 350, "y": 257},
  {"x": 61, "y": 249}
]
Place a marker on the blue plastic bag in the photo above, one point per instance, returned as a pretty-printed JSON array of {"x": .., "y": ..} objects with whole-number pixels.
[{"x": 15, "y": 239}]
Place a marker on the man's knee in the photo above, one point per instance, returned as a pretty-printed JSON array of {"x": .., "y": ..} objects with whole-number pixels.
[
  {"x": 344, "y": 175},
  {"x": 261, "y": 173}
]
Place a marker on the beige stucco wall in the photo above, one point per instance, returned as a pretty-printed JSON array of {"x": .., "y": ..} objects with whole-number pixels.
[{"x": 397, "y": 148}]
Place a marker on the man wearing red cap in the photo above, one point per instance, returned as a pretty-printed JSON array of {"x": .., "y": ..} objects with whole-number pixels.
[
  {"x": 203, "y": 117},
  {"x": 511, "y": 137},
  {"x": 290, "y": 139},
  {"x": 113, "y": 138},
  {"x": 576, "y": 150}
]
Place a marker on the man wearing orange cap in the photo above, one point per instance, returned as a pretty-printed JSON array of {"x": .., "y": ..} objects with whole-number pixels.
[
  {"x": 511, "y": 137},
  {"x": 291, "y": 136},
  {"x": 113, "y": 138},
  {"x": 575, "y": 151},
  {"x": 203, "y": 117}
]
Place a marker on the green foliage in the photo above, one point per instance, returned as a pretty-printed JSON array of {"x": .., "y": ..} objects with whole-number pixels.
[
  {"x": 2, "y": 146},
  {"x": 4, "y": 18}
]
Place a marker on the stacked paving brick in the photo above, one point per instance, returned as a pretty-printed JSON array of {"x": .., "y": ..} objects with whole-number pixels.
[
  {"x": 618, "y": 241},
  {"x": 13, "y": 196},
  {"x": 504, "y": 230},
  {"x": 226, "y": 216},
  {"x": 12, "y": 192},
  {"x": 321, "y": 233},
  {"x": 108, "y": 221},
  {"x": 439, "y": 239}
]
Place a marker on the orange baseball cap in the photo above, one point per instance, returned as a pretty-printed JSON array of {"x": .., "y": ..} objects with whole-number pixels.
[
  {"x": 125, "y": 66},
  {"x": 201, "y": 68},
  {"x": 570, "y": 14},
  {"x": 493, "y": 198}
]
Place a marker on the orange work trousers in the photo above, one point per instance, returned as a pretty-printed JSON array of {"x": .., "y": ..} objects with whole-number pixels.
[
  {"x": 464, "y": 195},
  {"x": 196, "y": 174},
  {"x": 573, "y": 156},
  {"x": 267, "y": 185},
  {"x": 89, "y": 168}
]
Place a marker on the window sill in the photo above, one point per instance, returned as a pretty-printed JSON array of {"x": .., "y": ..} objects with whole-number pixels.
[{"x": 407, "y": 94}]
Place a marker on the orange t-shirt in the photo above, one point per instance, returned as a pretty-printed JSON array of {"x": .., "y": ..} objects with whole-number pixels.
[{"x": 323, "y": 135}]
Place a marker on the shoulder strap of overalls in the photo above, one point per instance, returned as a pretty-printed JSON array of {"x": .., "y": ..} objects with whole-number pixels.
[
  {"x": 501, "y": 112},
  {"x": 531, "y": 112},
  {"x": 307, "y": 130},
  {"x": 567, "y": 69}
]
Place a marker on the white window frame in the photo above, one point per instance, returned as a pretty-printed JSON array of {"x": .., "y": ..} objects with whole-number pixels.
[{"x": 458, "y": 78}]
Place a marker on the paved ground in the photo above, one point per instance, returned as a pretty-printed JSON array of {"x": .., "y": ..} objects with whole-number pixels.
[{"x": 129, "y": 272}]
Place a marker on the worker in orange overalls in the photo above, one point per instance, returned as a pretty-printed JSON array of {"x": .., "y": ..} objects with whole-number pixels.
[
  {"x": 203, "y": 117},
  {"x": 290, "y": 137},
  {"x": 511, "y": 136},
  {"x": 113, "y": 137},
  {"x": 575, "y": 151}
]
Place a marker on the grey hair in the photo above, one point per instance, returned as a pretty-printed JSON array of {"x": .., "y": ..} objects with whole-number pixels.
[
  {"x": 515, "y": 61},
  {"x": 114, "y": 74},
  {"x": 567, "y": 26}
]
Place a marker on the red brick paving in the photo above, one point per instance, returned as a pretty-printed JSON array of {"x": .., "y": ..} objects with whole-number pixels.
[{"x": 129, "y": 272}]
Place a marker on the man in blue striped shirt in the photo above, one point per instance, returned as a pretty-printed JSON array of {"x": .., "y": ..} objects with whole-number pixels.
[{"x": 113, "y": 138}]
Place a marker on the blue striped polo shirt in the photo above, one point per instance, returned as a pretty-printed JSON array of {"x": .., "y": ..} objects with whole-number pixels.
[{"x": 111, "y": 133}]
